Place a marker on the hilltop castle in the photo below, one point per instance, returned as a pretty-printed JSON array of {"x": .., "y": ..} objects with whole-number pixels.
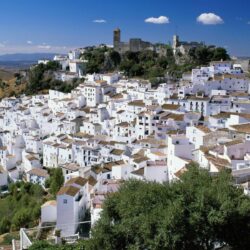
[
  {"x": 184, "y": 47},
  {"x": 137, "y": 44},
  {"x": 134, "y": 44}
]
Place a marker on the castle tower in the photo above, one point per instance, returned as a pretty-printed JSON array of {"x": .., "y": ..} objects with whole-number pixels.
[{"x": 117, "y": 38}]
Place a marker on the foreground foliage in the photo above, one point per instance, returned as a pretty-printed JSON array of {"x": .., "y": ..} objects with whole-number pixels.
[
  {"x": 196, "y": 213},
  {"x": 44, "y": 245}
]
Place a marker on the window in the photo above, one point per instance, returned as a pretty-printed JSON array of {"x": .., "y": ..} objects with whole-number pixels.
[{"x": 65, "y": 201}]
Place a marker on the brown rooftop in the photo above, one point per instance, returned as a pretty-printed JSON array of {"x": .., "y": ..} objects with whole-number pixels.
[
  {"x": 170, "y": 106},
  {"x": 77, "y": 180},
  {"x": 68, "y": 190},
  {"x": 242, "y": 128},
  {"x": 139, "y": 103},
  {"x": 234, "y": 142},
  {"x": 140, "y": 159},
  {"x": 117, "y": 152},
  {"x": 49, "y": 203},
  {"x": 92, "y": 181},
  {"x": 139, "y": 172},
  {"x": 204, "y": 129},
  {"x": 38, "y": 172}
]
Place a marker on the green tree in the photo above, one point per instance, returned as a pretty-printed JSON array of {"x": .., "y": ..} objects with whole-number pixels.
[
  {"x": 126, "y": 67},
  {"x": 194, "y": 213},
  {"x": 136, "y": 70},
  {"x": 220, "y": 54},
  {"x": 56, "y": 180},
  {"x": 21, "y": 218},
  {"x": 115, "y": 58}
]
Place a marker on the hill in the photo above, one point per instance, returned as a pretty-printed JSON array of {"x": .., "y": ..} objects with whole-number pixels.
[
  {"x": 10, "y": 83},
  {"x": 6, "y": 75},
  {"x": 26, "y": 57}
]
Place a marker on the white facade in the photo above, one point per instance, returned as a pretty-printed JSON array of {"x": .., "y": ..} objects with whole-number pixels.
[
  {"x": 48, "y": 212},
  {"x": 179, "y": 154}
]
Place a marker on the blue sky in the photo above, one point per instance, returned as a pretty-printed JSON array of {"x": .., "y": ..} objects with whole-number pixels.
[{"x": 59, "y": 25}]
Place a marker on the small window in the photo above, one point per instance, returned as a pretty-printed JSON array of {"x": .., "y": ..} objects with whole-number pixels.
[{"x": 65, "y": 201}]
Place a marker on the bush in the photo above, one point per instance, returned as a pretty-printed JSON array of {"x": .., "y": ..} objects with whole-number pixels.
[
  {"x": 21, "y": 207},
  {"x": 4, "y": 225},
  {"x": 21, "y": 218}
]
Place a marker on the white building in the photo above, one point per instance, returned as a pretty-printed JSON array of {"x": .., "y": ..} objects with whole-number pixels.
[
  {"x": 37, "y": 176},
  {"x": 3, "y": 177},
  {"x": 179, "y": 154},
  {"x": 71, "y": 206},
  {"x": 49, "y": 212}
]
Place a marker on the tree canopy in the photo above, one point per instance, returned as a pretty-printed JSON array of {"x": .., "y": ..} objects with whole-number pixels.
[
  {"x": 41, "y": 77},
  {"x": 204, "y": 55},
  {"x": 197, "y": 212},
  {"x": 149, "y": 64},
  {"x": 55, "y": 180}
]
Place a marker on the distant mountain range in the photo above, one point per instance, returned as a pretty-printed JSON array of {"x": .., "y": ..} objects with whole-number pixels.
[
  {"x": 22, "y": 61},
  {"x": 26, "y": 57}
]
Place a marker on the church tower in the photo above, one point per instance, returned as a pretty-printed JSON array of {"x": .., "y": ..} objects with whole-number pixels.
[{"x": 176, "y": 43}]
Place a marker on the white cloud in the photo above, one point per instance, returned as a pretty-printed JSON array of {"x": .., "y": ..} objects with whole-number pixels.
[
  {"x": 157, "y": 20},
  {"x": 44, "y": 46},
  {"x": 99, "y": 21},
  {"x": 209, "y": 19},
  {"x": 2, "y": 45},
  {"x": 29, "y": 42}
]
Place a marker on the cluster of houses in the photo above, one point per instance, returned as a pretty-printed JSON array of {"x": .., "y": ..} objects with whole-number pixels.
[
  {"x": 72, "y": 66},
  {"x": 110, "y": 129}
]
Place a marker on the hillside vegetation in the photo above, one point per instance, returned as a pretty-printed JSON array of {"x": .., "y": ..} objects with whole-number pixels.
[
  {"x": 145, "y": 64},
  {"x": 148, "y": 64},
  {"x": 21, "y": 208},
  {"x": 11, "y": 83}
]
